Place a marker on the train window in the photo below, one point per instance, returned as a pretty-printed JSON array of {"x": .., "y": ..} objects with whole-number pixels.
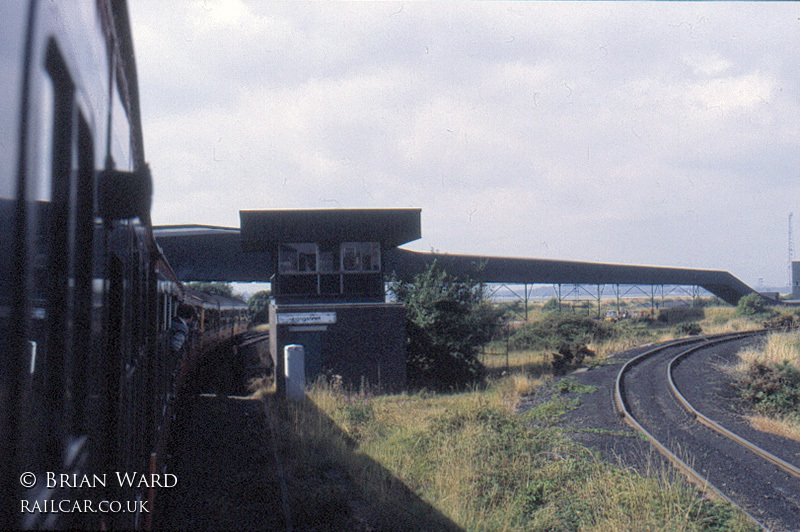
[
  {"x": 328, "y": 261},
  {"x": 70, "y": 230},
  {"x": 165, "y": 307}
]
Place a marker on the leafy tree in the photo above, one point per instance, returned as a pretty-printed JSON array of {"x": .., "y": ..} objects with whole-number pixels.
[
  {"x": 448, "y": 320},
  {"x": 258, "y": 306},
  {"x": 215, "y": 288}
]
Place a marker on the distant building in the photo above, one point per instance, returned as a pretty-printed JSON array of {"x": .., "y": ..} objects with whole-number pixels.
[{"x": 796, "y": 279}]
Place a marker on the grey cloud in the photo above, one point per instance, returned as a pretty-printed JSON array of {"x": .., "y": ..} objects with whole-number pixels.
[{"x": 592, "y": 126}]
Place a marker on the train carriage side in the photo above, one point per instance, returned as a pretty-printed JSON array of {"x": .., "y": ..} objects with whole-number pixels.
[
  {"x": 218, "y": 318},
  {"x": 77, "y": 312}
]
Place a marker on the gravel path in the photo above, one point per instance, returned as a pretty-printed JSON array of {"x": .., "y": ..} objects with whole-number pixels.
[
  {"x": 595, "y": 423},
  {"x": 227, "y": 478},
  {"x": 718, "y": 399},
  {"x": 225, "y": 455}
]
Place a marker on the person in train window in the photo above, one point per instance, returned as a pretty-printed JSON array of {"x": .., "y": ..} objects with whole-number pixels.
[{"x": 180, "y": 327}]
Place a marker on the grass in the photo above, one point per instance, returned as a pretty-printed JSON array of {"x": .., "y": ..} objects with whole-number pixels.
[
  {"x": 760, "y": 374},
  {"x": 628, "y": 334},
  {"x": 786, "y": 426},
  {"x": 535, "y": 363},
  {"x": 469, "y": 462},
  {"x": 776, "y": 349},
  {"x": 719, "y": 320}
]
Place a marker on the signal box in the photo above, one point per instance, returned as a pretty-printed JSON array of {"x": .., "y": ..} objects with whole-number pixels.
[{"x": 328, "y": 290}]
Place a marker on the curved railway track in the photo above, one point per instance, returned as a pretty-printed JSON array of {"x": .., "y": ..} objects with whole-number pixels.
[{"x": 656, "y": 394}]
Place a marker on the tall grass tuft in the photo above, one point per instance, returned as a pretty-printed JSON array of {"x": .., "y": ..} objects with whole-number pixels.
[
  {"x": 768, "y": 376},
  {"x": 775, "y": 349}
]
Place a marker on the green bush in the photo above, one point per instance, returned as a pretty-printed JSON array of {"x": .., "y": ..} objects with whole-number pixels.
[
  {"x": 752, "y": 305},
  {"x": 688, "y": 329},
  {"x": 570, "y": 357},
  {"x": 448, "y": 321},
  {"x": 773, "y": 389},
  {"x": 556, "y": 331},
  {"x": 680, "y": 314},
  {"x": 551, "y": 305},
  {"x": 258, "y": 306}
]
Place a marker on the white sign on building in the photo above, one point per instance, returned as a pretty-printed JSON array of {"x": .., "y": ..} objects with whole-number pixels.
[{"x": 307, "y": 318}]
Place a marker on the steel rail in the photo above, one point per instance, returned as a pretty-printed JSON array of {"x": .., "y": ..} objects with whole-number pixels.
[
  {"x": 260, "y": 337},
  {"x": 713, "y": 425},
  {"x": 702, "y": 483}
]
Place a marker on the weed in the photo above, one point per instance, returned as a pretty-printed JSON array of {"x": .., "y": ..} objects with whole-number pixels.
[
  {"x": 607, "y": 432},
  {"x": 570, "y": 385},
  {"x": 570, "y": 357},
  {"x": 688, "y": 329},
  {"x": 557, "y": 330},
  {"x": 678, "y": 315},
  {"x": 772, "y": 389},
  {"x": 787, "y": 425},
  {"x": 768, "y": 377},
  {"x": 549, "y": 412}
]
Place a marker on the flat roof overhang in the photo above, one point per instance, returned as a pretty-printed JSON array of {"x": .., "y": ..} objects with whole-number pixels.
[{"x": 263, "y": 230}]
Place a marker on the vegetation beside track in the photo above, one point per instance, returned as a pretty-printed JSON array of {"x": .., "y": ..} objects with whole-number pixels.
[
  {"x": 528, "y": 347},
  {"x": 768, "y": 377},
  {"x": 469, "y": 461},
  {"x": 477, "y": 463}
]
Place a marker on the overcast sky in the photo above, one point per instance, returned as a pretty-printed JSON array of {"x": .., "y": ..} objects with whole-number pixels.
[{"x": 640, "y": 133}]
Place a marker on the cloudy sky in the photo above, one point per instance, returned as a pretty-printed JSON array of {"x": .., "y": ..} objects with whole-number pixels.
[{"x": 644, "y": 133}]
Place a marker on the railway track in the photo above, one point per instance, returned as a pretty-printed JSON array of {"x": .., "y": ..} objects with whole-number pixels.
[
  {"x": 251, "y": 338},
  {"x": 668, "y": 394}
]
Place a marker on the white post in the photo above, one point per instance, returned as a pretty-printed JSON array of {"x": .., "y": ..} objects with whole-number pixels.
[{"x": 294, "y": 364}]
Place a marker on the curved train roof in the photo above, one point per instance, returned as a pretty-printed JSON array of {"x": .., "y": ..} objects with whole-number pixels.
[{"x": 223, "y": 302}]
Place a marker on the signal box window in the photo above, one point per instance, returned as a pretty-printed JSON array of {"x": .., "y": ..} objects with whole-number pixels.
[
  {"x": 297, "y": 258},
  {"x": 328, "y": 261},
  {"x": 361, "y": 257}
]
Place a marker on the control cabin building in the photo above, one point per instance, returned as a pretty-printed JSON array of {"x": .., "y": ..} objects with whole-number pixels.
[
  {"x": 796, "y": 280},
  {"x": 328, "y": 292}
]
